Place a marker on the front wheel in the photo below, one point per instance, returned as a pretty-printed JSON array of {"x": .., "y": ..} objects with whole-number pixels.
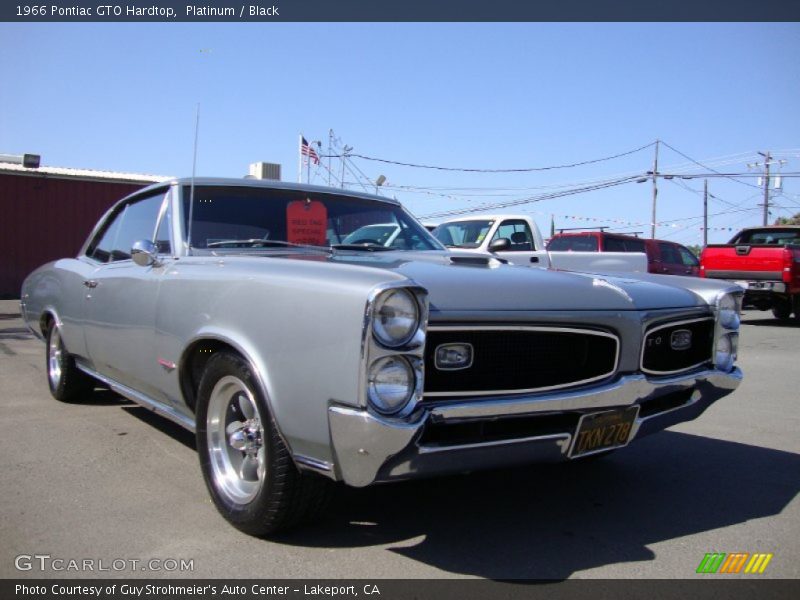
[
  {"x": 247, "y": 468},
  {"x": 67, "y": 383}
]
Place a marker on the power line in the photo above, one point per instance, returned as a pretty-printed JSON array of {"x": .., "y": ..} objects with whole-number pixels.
[
  {"x": 529, "y": 200},
  {"x": 705, "y": 166},
  {"x": 471, "y": 170}
]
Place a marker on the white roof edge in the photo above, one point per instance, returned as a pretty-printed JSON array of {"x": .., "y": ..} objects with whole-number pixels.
[
  {"x": 478, "y": 217},
  {"x": 71, "y": 173}
]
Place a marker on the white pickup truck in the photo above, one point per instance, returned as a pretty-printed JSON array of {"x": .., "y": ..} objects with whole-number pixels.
[{"x": 517, "y": 239}]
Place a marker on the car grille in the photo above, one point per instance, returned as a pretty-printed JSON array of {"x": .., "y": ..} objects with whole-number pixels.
[
  {"x": 662, "y": 353},
  {"x": 509, "y": 360}
]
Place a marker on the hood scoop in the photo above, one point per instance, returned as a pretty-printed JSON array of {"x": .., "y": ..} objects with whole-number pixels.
[{"x": 478, "y": 261}]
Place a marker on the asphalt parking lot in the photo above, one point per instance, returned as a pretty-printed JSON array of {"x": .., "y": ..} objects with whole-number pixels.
[{"x": 107, "y": 480}]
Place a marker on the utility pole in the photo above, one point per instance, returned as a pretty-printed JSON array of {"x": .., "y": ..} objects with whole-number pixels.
[
  {"x": 705, "y": 213},
  {"x": 330, "y": 152},
  {"x": 345, "y": 152},
  {"x": 767, "y": 158},
  {"x": 655, "y": 193}
]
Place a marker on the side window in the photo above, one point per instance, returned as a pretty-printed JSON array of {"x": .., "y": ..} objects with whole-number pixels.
[
  {"x": 635, "y": 246},
  {"x": 138, "y": 223},
  {"x": 669, "y": 255},
  {"x": 132, "y": 222},
  {"x": 164, "y": 232},
  {"x": 689, "y": 259},
  {"x": 578, "y": 243},
  {"x": 611, "y": 244},
  {"x": 101, "y": 246},
  {"x": 518, "y": 232}
]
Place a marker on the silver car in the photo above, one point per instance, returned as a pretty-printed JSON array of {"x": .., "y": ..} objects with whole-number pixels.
[{"x": 236, "y": 309}]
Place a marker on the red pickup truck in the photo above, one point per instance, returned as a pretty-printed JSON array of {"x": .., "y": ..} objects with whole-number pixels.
[{"x": 765, "y": 261}]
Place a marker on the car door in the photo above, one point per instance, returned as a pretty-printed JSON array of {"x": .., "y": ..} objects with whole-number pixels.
[
  {"x": 671, "y": 262},
  {"x": 523, "y": 249},
  {"x": 121, "y": 303},
  {"x": 691, "y": 265}
]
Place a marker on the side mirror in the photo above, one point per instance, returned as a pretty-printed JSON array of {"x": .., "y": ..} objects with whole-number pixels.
[
  {"x": 144, "y": 253},
  {"x": 500, "y": 245}
]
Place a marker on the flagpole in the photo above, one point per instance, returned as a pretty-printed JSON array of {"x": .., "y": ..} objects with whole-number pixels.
[
  {"x": 308, "y": 163},
  {"x": 300, "y": 158}
]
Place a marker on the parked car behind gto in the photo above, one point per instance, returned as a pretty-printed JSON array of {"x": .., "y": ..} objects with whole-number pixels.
[{"x": 233, "y": 308}]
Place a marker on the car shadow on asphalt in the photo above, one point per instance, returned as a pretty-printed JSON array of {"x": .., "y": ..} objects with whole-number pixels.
[
  {"x": 102, "y": 396},
  {"x": 15, "y": 333},
  {"x": 550, "y": 521},
  {"x": 765, "y": 322},
  {"x": 176, "y": 432}
]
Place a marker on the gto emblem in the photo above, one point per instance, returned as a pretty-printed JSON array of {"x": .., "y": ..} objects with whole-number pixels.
[
  {"x": 452, "y": 357},
  {"x": 681, "y": 339}
]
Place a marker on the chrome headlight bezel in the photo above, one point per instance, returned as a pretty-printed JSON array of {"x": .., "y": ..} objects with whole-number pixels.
[
  {"x": 728, "y": 308},
  {"x": 396, "y": 317},
  {"x": 374, "y": 348},
  {"x": 725, "y": 352},
  {"x": 401, "y": 405}
]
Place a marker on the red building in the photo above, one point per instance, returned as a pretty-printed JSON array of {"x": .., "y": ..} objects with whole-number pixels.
[{"x": 47, "y": 212}]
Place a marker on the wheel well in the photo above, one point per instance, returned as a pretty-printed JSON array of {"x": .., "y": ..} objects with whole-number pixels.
[
  {"x": 45, "y": 321},
  {"x": 193, "y": 364}
]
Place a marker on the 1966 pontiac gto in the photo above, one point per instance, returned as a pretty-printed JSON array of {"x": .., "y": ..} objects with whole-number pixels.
[{"x": 234, "y": 308}]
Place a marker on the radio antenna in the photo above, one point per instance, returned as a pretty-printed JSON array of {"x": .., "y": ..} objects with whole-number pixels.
[{"x": 191, "y": 186}]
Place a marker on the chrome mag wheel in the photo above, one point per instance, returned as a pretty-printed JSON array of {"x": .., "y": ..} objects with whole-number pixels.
[
  {"x": 55, "y": 358},
  {"x": 236, "y": 441}
]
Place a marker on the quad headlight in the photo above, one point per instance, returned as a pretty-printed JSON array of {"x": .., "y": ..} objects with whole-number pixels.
[
  {"x": 727, "y": 347},
  {"x": 729, "y": 306},
  {"x": 396, "y": 317},
  {"x": 393, "y": 350},
  {"x": 391, "y": 384}
]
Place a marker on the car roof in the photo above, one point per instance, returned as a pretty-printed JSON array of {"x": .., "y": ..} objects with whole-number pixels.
[
  {"x": 485, "y": 218},
  {"x": 268, "y": 184}
]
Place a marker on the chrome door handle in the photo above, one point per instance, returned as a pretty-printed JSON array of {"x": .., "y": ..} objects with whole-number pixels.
[{"x": 90, "y": 283}]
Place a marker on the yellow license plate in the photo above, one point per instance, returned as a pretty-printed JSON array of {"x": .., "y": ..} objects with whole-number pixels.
[{"x": 605, "y": 430}]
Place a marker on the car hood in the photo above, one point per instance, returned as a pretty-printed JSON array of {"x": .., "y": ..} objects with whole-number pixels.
[{"x": 468, "y": 283}]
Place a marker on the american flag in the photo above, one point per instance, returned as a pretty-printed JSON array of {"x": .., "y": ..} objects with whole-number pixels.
[{"x": 308, "y": 151}]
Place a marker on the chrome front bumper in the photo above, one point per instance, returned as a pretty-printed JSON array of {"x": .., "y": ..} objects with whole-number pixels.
[{"x": 369, "y": 448}]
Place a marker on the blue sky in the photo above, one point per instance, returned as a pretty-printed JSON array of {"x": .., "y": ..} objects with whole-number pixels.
[{"x": 123, "y": 96}]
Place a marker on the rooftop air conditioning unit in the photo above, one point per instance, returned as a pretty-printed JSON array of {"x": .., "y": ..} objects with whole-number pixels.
[{"x": 265, "y": 170}]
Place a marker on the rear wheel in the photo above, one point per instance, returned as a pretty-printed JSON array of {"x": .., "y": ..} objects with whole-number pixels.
[
  {"x": 247, "y": 468},
  {"x": 782, "y": 309},
  {"x": 67, "y": 383}
]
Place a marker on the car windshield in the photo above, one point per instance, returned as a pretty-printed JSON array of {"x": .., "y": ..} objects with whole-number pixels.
[
  {"x": 375, "y": 234},
  {"x": 241, "y": 217},
  {"x": 463, "y": 234},
  {"x": 777, "y": 237}
]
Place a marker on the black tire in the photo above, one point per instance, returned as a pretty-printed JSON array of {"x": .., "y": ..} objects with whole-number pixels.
[
  {"x": 67, "y": 383},
  {"x": 782, "y": 310},
  {"x": 282, "y": 496}
]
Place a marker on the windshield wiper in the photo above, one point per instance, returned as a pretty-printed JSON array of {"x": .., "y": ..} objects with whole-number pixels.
[{"x": 367, "y": 246}]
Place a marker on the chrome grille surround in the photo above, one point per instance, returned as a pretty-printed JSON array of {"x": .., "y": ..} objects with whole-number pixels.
[
  {"x": 669, "y": 325},
  {"x": 522, "y": 328}
]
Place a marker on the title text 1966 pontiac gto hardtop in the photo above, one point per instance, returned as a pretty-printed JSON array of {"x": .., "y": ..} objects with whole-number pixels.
[{"x": 233, "y": 308}]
